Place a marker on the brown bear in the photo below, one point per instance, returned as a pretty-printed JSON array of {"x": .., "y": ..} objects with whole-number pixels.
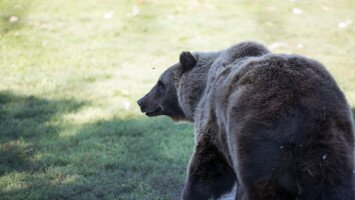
[{"x": 276, "y": 126}]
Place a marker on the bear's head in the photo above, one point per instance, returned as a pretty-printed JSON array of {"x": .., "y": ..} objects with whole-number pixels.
[{"x": 162, "y": 99}]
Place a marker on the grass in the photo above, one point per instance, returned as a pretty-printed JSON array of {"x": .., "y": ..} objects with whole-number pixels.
[{"x": 71, "y": 72}]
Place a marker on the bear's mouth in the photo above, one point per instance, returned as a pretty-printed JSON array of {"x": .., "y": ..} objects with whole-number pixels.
[{"x": 153, "y": 113}]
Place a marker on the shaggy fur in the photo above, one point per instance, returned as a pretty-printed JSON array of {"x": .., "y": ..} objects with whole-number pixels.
[{"x": 275, "y": 125}]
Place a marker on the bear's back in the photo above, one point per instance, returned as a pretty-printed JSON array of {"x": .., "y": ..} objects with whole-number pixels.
[
  {"x": 276, "y": 81},
  {"x": 277, "y": 88}
]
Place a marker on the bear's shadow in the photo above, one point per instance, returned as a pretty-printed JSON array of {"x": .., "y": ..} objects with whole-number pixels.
[
  {"x": 24, "y": 121},
  {"x": 127, "y": 157}
]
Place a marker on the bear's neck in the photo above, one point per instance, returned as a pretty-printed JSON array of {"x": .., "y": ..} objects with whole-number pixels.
[{"x": 193, "y": 83}]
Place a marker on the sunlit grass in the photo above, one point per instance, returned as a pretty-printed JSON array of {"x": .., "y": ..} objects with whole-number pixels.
[{"x": 71, "y": 71}]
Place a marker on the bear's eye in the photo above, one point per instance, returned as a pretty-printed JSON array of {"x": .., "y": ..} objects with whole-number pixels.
[{"x": 160, "y": 84}]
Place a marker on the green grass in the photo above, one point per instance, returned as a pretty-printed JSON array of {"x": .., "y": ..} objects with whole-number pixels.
[{"x": 71, "y": 71}]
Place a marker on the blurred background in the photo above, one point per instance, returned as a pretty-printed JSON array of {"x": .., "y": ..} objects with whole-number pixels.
[{"x": 71, "y": 71}]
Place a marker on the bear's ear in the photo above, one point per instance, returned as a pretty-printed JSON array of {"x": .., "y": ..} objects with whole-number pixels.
[{"x": 187, "y": 60}]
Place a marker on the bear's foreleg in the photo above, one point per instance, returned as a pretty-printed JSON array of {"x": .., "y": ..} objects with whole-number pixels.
[{"x": 209, "y": 175}]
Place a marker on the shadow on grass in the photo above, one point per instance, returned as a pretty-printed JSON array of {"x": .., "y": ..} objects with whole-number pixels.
[
  {"x": 151, "y": 154},
  {"x": 24, "y": 120},
  {"x": 131, "y": 159},
  {"x": 137, "y": 158}
]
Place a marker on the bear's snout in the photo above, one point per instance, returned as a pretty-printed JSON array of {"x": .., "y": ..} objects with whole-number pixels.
[
  {"x": 151, "y": 110},
  {"x": 140, "y": 103}
]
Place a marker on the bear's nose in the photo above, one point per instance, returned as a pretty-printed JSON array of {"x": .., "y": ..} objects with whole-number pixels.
[{"x": 140, "y": 102}]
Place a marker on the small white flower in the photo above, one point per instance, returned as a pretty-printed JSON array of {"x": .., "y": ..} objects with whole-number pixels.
[
  {"x": 281, "y": 147},
  {"x": 135, "y": 10},
  {"x": 13, "y": 19},
  {"x": 108, "y": 15},
  {"x": 296, "y": 11},
  {"x": 342, "y": 25},
  {"x": 300, "y": 45},
  {"x": 324, "y": 156},
  {"x": 127, "y": 105}
]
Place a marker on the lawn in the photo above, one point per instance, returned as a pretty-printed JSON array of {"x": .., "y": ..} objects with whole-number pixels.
[{"x": 71, "y": 71}]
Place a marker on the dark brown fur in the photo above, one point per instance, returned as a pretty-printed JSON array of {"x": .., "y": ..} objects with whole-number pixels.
[{"x": 275, "y": 125}]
